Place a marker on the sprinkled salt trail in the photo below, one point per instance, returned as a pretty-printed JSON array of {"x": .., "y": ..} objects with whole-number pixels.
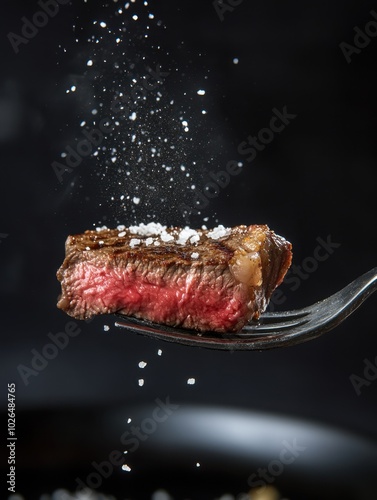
[
  {"x": 106, "y": 328},
  {"x": 190, "y": 381},
  {"x": 142, "y": 364},
  {"x": 141, "y": 382},
  {"x": 126, "y": 467}
]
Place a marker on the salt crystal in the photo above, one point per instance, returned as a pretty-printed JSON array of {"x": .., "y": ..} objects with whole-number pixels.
[
  {"x": 73, "y": 88},
  {"x": 121, "y": 234},
  {"x": 103, "y": 24},
  {"x": 134, "y": 242},
  {"x": 136, "y": 200},
  {"x": 106, "y": 328},
  {"x": 149, "y": 241},
  {"x": 87, "y": 248},
  {"x": 195, "y": 238},
  {"x": 135, "y": 17},
  {"x": 126, "y": 467},
  {"x": 218, "y": 232},
  {"x": 166, "y": 237},
  {"x": 235, "y": 60},
  {"x": 194, "y": 255},
  {"x": 142, "y": 364},
  {"x": 185, "y": 234},
  {"x": 129, "y": 420},
  {"x": 197, "y": 464},
  {"x": 191, "y": 381},
  {"x": 159, "y": 352},
  {"x": 89, "y": 63},
  {"x": 201, "y": 92},
  {"x": 121, "y": 227},
  {"x": 141, "y": 382}
]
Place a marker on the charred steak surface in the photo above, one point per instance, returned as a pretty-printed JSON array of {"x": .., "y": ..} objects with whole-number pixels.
[{"x": 206, "y": 280}]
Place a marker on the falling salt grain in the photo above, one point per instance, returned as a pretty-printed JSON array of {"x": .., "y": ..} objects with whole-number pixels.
[
  {"x": 89, "y": 63},
  {"x": 73, "y": 88},
  {"x": 201, "y": 92},
  {"x": 136, "y": 200},
  {"x": 135, "y": 17},
  {"x": 141, "y": 382},
  {"x": 126, "y": 467},
  {"x": 103, "y": 24},
  {"x": 129, "y": 420},
  {"x": 190, "y": 381},
  {"x": 159, "y": 352},
  {"x": 197, "y": 464},
  {"x": 142, "y": 364},
  {"x": 106, "y": 328},
  {"x": 235, "y": 60}
]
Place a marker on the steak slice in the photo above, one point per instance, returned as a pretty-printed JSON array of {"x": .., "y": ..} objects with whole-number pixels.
[{"x": 206, "y": 280}]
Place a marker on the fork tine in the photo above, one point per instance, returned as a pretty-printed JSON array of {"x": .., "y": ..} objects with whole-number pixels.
[{"x": 276, "y": 324}]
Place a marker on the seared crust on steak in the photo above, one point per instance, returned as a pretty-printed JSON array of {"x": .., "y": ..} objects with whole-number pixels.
[{"x": 214, "y": 280}]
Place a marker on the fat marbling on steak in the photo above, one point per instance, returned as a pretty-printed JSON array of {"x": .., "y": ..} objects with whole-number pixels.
[{"x": 206, "y": 280}]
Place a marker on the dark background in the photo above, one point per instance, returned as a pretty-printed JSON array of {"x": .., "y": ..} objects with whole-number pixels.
[{"x": 317, "y": 179}]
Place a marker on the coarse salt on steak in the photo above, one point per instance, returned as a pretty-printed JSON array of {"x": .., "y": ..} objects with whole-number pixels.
[{"x": 206, "y": 280}]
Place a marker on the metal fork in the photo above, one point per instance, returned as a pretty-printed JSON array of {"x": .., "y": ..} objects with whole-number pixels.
[{"x": 273, "y": 329}]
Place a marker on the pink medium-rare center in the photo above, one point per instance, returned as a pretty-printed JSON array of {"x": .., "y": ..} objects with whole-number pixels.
[{"x": 187, "y": 300}]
